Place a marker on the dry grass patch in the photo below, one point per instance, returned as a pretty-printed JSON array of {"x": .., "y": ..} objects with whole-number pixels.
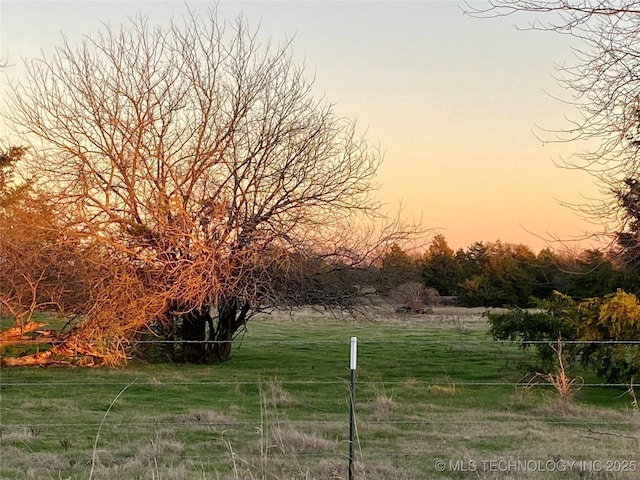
[
  {"x": 521, "y": 399},
  {"x": 331, "y": 470},
  {"x": 15, "y": 435},
  {"x": 273, "y": 465},
  {"x": 33, "y": 464},
  {"x": 443, "y": 386},
  {"x": 49, "y": 405},
  {"x": 383, "y": 403},
  {"x": 135, "y": 468},
  {"x": 292, "y": 441},
  {"x": 410, "y": 382},
  {"x": 276, "y": 396},
  {"x": 155, "y": 382},
  {"x": 558, "y": 407},
  {"x": 160, "y": 447},
  {"x": 377, "y": 470},
  {"x": 381, "y": 407},
  {"x": 208, "y": 417},
  {"x": 448, "y": 389}
]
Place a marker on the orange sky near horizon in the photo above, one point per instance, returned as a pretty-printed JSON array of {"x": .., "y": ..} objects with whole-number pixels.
[{"x": 452, "y": 101}]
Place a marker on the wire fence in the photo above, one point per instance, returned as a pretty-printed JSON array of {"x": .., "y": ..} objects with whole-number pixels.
[{"x": 425, "y": 408}]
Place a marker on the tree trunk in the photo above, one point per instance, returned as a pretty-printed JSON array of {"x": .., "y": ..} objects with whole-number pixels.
[
  {"x": 193, "y": 330},
  {"x": 230, "y": 319},
  {"x": 223, "y": 334}
]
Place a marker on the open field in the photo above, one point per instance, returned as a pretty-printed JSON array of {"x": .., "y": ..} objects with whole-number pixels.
[{"x": 429, "y": 388}]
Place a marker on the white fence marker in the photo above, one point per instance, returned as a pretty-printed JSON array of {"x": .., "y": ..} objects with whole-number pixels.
[
  {"x": 352, "y": 400},
  {"x": 354, "y": 353}
]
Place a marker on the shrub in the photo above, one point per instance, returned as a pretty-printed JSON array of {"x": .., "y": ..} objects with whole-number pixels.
[{"x": 597, "y": 322}]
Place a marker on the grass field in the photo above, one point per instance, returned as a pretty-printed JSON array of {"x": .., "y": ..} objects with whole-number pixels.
[{"x": 429, "y": 389}]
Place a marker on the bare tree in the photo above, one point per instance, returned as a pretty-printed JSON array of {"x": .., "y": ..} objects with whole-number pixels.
[
  {"x": 197, "y": 162},
  {"x": 604, "y": 84}
]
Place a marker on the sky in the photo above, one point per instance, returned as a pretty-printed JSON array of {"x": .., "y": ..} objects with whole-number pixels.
[{"x": 454, "y": 102}]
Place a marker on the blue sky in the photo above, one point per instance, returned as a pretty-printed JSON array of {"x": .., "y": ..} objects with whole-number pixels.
[{"x": 451, "y": 100}]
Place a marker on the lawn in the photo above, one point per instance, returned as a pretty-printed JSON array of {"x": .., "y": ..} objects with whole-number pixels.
[{"x": 429, "y": 389}]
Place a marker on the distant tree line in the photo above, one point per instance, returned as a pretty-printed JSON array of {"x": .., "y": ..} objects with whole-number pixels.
[{"x": 497, "y": 274}]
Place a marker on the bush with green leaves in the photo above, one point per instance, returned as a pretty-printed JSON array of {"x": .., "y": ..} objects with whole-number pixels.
[
  {"x": 553, "y": 320},
  {"x": 602, "y": 326}
]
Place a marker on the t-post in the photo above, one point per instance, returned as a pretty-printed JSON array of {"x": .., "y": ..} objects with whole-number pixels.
[{"x": 352, "y": 399}]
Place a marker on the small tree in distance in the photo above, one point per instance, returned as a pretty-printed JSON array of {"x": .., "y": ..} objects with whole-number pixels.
[
  {"x": 396, "y": 267},
  {"x": 201, "y": 168},
  {"x": 440, "y": 268}
]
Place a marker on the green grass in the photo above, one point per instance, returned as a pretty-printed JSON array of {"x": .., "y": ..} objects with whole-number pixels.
[{"x": 426, "y": 390}]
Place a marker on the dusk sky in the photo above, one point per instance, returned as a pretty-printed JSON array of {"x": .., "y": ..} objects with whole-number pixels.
[{"x": 451, "y": 100}]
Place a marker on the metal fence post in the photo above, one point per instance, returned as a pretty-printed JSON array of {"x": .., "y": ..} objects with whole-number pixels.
[{"x": 352, "y": 400}]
